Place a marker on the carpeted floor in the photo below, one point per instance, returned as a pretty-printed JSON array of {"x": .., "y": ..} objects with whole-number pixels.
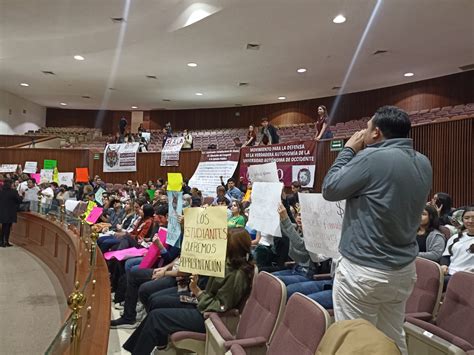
[{"x": 32, "y": 303}]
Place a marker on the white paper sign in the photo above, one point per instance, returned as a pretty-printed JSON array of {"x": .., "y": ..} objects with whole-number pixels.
[
  {"x": 46, "y": 175},
  {"x": 8, "y": 168},
  {"x": 66, "y": 179},
  {"x": 71, "y": 205},
  {"x": 263, "y": 172},
  {"x": 30, "y": 167},
  {"x": 170, "y": 152},
  {"x": 120, "y": 157},
  {"x": 263, "y": 214},
  {"x": 322, "y": 223}
]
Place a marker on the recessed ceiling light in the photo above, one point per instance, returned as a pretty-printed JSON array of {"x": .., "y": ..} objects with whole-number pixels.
[
  {"x": 24, "y": 84},
  {"x": 408, "y": 74},
  {"x": 63, "y": 104},
  {"x": 281, "y": 97},
  {"x": 301, "y": 70},
  {"x": 199, "y": 94},
  {"x": 192, "y": 65},
  {"x": 79, "y": 57},
  {"x": 339, "y": 19},
  {"x": 134, "y": 107}
]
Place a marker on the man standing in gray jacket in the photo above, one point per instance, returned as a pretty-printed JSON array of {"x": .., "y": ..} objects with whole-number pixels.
[{"x": 386, "y": 184}]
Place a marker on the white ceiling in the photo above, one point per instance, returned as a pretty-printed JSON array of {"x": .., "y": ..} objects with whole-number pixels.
[{"x": 428, "y": 37}]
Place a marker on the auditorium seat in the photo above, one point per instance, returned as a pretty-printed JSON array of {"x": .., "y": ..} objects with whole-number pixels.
[
  {"x": 291, "y": 335},
  {"x": 452, "y": 332},
  {"x": 423, "y": 302},
  {"x": 260, "y": 317}
]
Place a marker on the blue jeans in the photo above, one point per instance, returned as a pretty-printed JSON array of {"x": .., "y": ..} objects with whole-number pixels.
[
  {"x": 106, "y": 242},
  {"x": 132, "y": 263},
  {"x": 320, "y": 291},
  {"x": 291, "y": 276}
]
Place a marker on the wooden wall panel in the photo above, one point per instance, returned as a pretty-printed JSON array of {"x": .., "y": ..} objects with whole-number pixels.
[
  {"x": 7, "y": 140},
  {"x": 444, "y": 91}
]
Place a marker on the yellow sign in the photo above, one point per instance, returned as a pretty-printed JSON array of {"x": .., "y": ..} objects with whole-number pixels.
[
  {"x": 204, "y": 247},
  {"x": 175, "y": 182}
]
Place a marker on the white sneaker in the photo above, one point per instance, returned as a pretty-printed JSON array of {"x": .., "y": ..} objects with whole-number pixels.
[{"x": 119, "y": 306}]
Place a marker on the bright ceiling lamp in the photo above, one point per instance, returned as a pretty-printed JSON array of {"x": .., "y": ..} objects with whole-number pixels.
[
  {"x": 339, "y": 19},
  {"x": 408, "y": 74}
]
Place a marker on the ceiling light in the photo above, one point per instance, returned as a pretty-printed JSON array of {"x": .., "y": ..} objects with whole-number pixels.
[
  {"x": 339, "y": 19},
  {"x": 192, "y": 65},
  {"x": 199, "y": 94},
  {"x": 24, "y": 84},
  {"x": 134, "y": 107},
  {"x": 301, "y": 70},
  {"x": 408, "y": 74},
  {"x": 63, "y": 104},
  {"x": 79, "y": 57},
  {"x": 281, "y": 97}
]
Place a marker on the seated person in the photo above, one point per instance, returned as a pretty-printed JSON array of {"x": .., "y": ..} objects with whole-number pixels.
[
  {"x": 459, "y": 252},
  {"x": 220, "y": 295},
  {"x": 220, "y": 194},
  {"x": 237, "y": 217},
  {"x": 232, "y": 190},
  {"x": 431, "y": 241},
  {"x": 300, "y": 279},
  {"x": 237, "y": 142}
]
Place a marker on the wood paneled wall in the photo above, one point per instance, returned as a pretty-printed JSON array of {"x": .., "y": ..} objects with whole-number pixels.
[
  {"x": 444, "y": 91},
  {"x": 449, "y": 146},
  {"x": 8, "y": 140},
  {"x": 107, "y": 120}
]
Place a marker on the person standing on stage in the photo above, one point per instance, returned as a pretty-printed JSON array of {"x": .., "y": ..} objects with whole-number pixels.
[
  {"x": 385, "y": 183},
  {"x": 9, "y": 202}
]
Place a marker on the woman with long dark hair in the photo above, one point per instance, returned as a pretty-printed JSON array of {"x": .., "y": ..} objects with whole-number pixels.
[
  {"x": 431, "y": 241},
  {"x": 220, "y": 295},
  {"x": 251, "y": 137},
  {"x": 9, "y": 202},
  {"x": 322, "y": 124},
  {"x": 443, "y": 204}
]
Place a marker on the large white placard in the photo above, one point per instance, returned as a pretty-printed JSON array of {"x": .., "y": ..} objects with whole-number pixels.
[
  {"x": 46, "y": 175},
  {"x": 263, "y": 214},
  {"x": 322, "y": 223},
  {"x": 120, "y": 157},
  {"x": 8, "y": 168},
  {"x": 263, "y": 172},
  {"x": 30, "y": 167},
  {"x": 66, "y": 179},
  {"x": 212, "y": 166},
  {"x": 170, "y": 152}
]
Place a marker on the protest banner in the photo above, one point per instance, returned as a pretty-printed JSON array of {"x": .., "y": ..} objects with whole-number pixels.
[
  {"x": 30, "y": 167},
  {"x": 120, "y": 157},
  {"x": 175, "y": 209},
  {"x": 263, "y": 173},
  {"x": 322, "y": 224},
  {"x": 170, "y": 151},
  {"x": 175, "y": 182},
  {"x": 82, "y": 174},
  {"x": 66, "y": 179},
  {"x": 211, "y": 166},
  {"x": 50, "y": 164},
  {"x": 8, "y": 168},
  {"x": 46, "y": 175},
  {"x": 204, "y": 245},
  {"x": 295, "y": 161},
  {"x": 263, "y": 213}
]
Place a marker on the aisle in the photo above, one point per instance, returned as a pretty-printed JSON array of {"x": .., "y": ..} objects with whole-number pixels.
[{"x": 32, "y": 303}]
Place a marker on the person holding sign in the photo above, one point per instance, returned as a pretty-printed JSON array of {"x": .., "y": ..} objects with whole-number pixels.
[
  {"x": 385, "y": 183},
  {"x": 220, "y": 295}
]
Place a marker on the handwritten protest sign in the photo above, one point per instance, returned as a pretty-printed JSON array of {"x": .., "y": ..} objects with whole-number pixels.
[
  {"x": 50, "y": 164},
  {"x": 46, "y": 175},
  {"x": 37, "y": 177},
  {"x": 204, "y": 245},
  {"x": 263, "y": 172},
  {"x": 30, "y": 167},
  {"x": 175, "y": 209},
  {"x": 175, "y": 182},
  {"x": 99, "y": 196},
  {"x": 8, "y": 168},
  {"x": 263, "y": 214},
  {"x": 66, "y": 179},
  {"x": 322, "y": 223},
  {"x": 82, "y": 174},
  {"x": 94, "y": 215}
]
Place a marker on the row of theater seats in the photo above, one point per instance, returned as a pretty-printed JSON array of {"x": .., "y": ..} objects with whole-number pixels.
[
  {"x": 267, "y": 326},
  {"x": 223, "y": 138}
]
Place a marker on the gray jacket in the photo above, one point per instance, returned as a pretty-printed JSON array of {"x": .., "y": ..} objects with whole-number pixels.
[
  {"x": 386, "y": 186},
  {"x": 435, "y": 245}
]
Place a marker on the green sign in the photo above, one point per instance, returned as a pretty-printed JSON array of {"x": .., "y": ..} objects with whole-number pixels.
[
  {"x": 96, "y": 156},
  {"x": 337, "y": 145},
  {"x": 50, "y": 164}
]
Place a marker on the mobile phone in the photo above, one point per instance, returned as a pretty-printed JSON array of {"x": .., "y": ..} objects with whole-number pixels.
[{"x": 188, "y": 299}]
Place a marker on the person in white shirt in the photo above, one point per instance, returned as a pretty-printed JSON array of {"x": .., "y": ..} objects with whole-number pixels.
[
  {"x": 188, "y": 141},
  {"x": 30, "y": 193},
  {"x": 47, "y": 194},
  {"x": 459, "y": 252}
]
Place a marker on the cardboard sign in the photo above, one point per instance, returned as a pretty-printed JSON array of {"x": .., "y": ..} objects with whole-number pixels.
[
  {"x": 50, "y": 164},
  {"x": 82, "y": 174},
  {"x": 175, "y": 182},
  {"x": 204, "y": 245},
  {"x": 30, "y": 167}
]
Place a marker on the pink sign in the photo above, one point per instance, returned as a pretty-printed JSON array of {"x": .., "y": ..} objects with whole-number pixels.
[
  {"x": 94, "y": 215},
  {"x": 125, "y": 254},
  {"x": 37, "y": 177}
]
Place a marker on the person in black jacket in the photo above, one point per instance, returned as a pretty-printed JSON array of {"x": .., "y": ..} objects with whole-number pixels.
[
  {"x": 9, "y": 202},
  {"x": 269, "y": 133},
  {"x": 122, "y": 125}
]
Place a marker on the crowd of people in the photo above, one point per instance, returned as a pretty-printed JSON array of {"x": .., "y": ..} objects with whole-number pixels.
[{"x": 388, "y": 222}]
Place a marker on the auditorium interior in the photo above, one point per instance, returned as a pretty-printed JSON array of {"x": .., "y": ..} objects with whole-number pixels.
[{"x": 140, "y": 112}]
